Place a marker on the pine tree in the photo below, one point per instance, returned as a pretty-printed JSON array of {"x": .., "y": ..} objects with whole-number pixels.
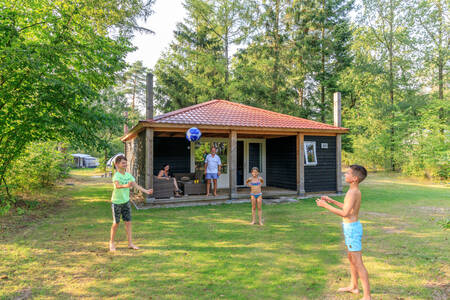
[{"x": 192, "y": 70}]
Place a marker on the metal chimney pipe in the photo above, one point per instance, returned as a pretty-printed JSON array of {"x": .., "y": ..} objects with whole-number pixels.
[
  {"x": 149, "y": 97},
  {"x": 337, "y": 109},
  {"x": 338, "y": 123}
]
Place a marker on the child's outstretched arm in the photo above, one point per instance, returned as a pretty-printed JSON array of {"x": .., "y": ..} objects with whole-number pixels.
[
  {"x": 335, "y": 202},
  {"x": 346, "y": 209},
  {"x": 121, "y": 186},
  {"x": 140, "y": 188}
]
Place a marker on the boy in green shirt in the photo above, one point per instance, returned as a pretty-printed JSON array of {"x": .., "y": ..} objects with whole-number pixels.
[{"x": 121, "y": 200}]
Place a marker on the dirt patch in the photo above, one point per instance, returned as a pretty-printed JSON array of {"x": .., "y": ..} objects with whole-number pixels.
[
  {"x": 23, "y": 294},
  {"x": 434, "y": 209},
  {"x": 396, "y": 224},
  {"x": 49, "y": 205},
  {"x": 80, "y": 180},
  {"x": 375, "y": 214},
  {"x": 391, "y": 229},
  {"x": 441, "y": 291}
]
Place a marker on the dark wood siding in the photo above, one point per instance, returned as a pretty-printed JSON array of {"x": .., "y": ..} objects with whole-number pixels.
[
  {"x": 172, "y": 151},
  {"x": 322, "y": 177},
  {"x": 281, "y": 162}
]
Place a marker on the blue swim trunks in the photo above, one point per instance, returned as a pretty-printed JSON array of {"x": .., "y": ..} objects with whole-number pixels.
[
  {"x": 353, "y": 233},
  {"x": 211, "y": 176}
]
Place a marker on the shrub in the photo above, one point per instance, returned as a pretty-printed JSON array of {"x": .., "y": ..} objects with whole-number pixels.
[{"x": 42, "y": 165}]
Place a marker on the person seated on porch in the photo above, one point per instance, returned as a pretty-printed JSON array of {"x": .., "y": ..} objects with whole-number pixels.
[{"x": 164, "y": 174}]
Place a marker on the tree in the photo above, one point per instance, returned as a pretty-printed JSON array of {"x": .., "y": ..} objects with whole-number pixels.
[
  {"x": 386, "y": 29},
  {"x": 192, "y": 70},
  {"x": 56, "y": 58},
  {"x": 228, "y": 20},
  {"x": 133, "y": 83},
  {"x": 261, "y": 70},
  {"x": 430, "y": 16}
]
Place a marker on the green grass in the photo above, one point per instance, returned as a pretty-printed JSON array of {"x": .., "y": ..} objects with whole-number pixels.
[{"x": 211, "y": 252}]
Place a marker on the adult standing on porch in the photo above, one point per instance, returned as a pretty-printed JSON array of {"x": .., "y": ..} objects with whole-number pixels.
[{"x": 213, "y": 165}]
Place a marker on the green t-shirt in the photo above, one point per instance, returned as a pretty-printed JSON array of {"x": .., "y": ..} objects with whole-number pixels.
[{"x": 120, "y": 196}]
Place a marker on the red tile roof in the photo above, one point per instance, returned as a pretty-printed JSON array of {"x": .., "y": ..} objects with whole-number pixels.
[{"x": 227, "y": 113}]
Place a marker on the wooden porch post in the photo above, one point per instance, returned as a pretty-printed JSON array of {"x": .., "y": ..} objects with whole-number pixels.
[
  {"x": 232, "y": 164},
  {"x": 300, "y": 165},
  {"x": 338, "y": 123},
  {"x": 149, "y": 161}
]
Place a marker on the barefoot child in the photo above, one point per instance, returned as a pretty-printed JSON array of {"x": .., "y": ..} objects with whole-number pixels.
[
  {"x": 254, "y": 183},
  {"x": 121, "y": 200},
  {"x": 352, "y": 228}
]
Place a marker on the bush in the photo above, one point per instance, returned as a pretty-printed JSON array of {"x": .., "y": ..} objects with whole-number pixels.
[{"x": 41, "y": 165}]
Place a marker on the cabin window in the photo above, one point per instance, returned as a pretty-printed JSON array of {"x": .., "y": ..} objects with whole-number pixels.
[
  {"x": 254, "y": 156},
  {"x": 310, "y": 153}
]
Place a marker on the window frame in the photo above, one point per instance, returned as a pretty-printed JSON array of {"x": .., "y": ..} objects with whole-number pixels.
[{"x": 305, "y": 148}]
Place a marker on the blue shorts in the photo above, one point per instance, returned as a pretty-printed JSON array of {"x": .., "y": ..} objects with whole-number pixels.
[
  {"x": 353, "y": 233},
  {"x": 211, "y": 176}
]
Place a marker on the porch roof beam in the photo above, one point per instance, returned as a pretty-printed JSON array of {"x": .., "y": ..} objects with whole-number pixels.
[{"x": 161, "y": 127}]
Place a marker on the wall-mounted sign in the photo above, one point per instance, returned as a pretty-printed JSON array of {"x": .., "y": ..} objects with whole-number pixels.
[{"x": 324, "y": 145}]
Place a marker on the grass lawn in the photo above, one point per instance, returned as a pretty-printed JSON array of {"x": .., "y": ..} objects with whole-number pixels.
[{"x": 211, "y": 252}]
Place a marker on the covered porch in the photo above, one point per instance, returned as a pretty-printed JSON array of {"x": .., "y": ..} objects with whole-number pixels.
[{"x": 280, "y": 156}]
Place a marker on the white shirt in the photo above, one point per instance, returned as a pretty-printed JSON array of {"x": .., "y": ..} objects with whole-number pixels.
[{"x": 213, "y": 163}]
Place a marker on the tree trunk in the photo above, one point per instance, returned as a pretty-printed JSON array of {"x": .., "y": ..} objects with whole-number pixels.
[
  {"x": 275, "y": 75},
  {"x": 106, "y": 160},
  {"x": 440, "y": 55},
  {"x": 8, "y": 195},
  {"x": 441, "y": 67},
  {"x": 134, "y": 93},
  {"x": 300, "y": 97},
  {"x": 391, "y": 83},
  {"x": 227, "y": 59},
  {"x": 322, "y": 86}
]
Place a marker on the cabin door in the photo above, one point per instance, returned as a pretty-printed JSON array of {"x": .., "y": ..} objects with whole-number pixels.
[{"x": 240, "y": 163}]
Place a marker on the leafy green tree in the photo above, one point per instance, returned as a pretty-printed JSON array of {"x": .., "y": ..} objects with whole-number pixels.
[
  {"x": 431, "y": 20},
  {"x": 384, "y": 47},
  {"x": 56, "y": 58}
]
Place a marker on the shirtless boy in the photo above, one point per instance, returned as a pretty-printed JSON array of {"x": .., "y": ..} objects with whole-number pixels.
[{"x": 352, "y": 228}]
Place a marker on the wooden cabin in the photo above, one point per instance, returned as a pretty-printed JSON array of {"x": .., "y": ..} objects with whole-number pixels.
[{"x": 295, "y": 156}]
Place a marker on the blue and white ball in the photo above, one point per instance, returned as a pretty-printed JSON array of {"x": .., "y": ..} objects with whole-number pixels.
[{"x": 193, "y": 134}]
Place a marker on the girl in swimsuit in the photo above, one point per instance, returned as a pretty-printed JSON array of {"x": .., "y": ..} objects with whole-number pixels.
[{"x": 255, "y": 183}]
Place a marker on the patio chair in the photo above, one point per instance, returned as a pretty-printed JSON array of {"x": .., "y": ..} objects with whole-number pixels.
[{"x": 162, "y": 188}]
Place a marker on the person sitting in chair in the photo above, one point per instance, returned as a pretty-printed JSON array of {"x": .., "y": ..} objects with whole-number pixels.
[{"x": 164, "y": 174}]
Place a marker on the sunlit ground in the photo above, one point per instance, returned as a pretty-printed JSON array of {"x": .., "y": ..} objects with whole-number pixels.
[{"x": 212, "y": 252}]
